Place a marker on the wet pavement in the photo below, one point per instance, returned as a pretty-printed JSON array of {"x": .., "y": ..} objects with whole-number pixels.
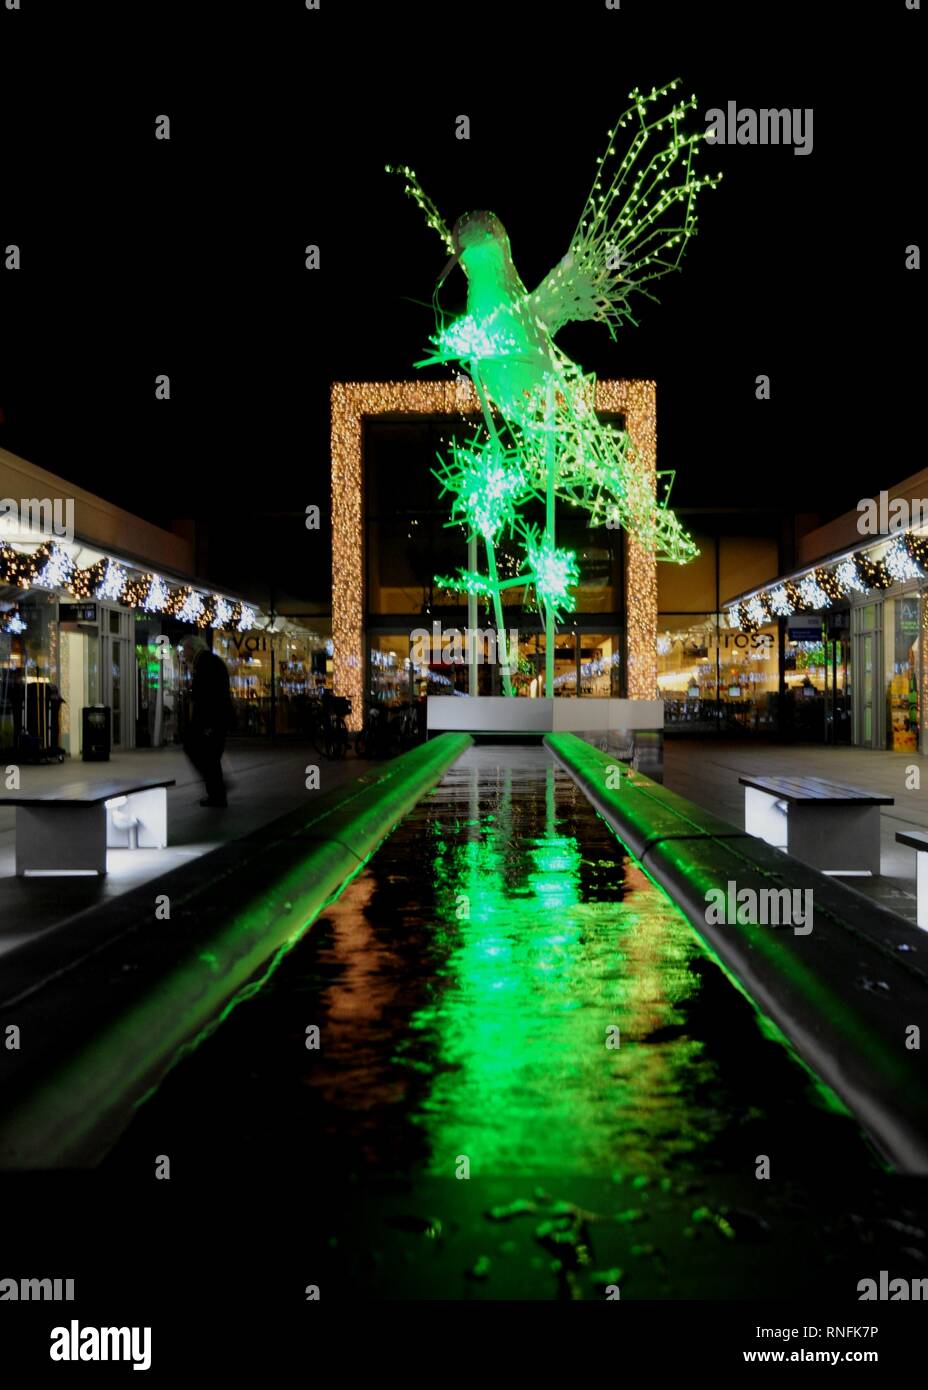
[
  {"x": 706, "y": 770},
  {"x": 265, "y": 781},
  {"x": 529, "y": 1080}
]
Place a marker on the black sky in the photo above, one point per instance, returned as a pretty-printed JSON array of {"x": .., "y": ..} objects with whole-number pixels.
[{"x": 187, "y": 257}]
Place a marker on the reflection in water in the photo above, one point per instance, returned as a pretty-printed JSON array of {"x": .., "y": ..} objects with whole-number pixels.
[
  {"x": 464, "y": 986},
  {"x": 545, "y": 952}
]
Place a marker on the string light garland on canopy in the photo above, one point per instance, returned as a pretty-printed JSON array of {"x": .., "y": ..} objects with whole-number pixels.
[
  {"x": 905, "y": 558},
  {"x": 541, "y": 439},
  {"x": 50, "y": 566}
]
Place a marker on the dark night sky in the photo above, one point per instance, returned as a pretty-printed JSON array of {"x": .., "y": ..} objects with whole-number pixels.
[{"x": 187, "y": 257}]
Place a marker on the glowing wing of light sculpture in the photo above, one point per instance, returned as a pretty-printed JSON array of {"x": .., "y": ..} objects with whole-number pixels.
[{"x": 637, "y": 220}]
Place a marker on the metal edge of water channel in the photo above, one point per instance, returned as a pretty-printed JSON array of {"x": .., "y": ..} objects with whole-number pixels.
[
  {"x": 71, "y": 1113},
  {"x": 843, "y": 995}
]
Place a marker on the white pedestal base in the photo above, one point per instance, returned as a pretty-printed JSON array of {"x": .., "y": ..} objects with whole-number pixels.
[
  {"x": 836, "y": 839},
  {"x": 149, "y": 811}
]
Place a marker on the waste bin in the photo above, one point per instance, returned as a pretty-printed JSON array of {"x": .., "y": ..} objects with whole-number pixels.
[{"x": 97, "y": 726}]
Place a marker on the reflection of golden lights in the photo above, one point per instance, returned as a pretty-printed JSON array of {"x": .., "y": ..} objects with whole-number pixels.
[{"x": 351, "y": 402}]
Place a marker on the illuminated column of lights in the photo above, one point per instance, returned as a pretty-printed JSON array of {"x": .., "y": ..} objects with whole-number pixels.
[
  {"x": 351, "y": 402},
  {"x": 637, "y": 401}
]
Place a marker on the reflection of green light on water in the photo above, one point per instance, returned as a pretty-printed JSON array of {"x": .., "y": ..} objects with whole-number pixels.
[{"x": 532, "y": 979}]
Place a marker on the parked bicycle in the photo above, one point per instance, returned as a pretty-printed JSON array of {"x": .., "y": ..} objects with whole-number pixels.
[
  {"x": 388, "y": 730},
  {"x": 328, "y": 731}
]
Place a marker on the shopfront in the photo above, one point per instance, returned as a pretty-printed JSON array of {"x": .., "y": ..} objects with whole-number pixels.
[
  {"x": 586, "y": 664},
  {"x": 711, "y": 676},
  {"x": 854, "y": 664},
  {"x": 273, "y": 674},
  {"x": 62, "y": 652},
  {"x": 94, "y": 606}
]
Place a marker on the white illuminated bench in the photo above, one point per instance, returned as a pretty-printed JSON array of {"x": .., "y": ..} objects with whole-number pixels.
[
  {"x": 918, "y": 840},
  {"x": 833, "y": 827},
  {"x": 67, "y": 830}
]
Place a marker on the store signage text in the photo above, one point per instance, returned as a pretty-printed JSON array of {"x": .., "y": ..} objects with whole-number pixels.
[
  {"x": 249, "y": 642},
  {"x": 77, "y": 612},
  {"x": 755, "y": 642}
]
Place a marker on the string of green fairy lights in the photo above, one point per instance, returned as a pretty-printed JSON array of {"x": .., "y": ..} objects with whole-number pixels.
[{"x": 906, "y": 557}]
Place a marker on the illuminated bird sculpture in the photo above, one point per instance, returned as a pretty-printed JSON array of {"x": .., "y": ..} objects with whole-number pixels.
[{"x": 541, "y": 439}]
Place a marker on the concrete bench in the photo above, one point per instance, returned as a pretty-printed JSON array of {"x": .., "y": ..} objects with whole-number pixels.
[
  {"x": 67, "y": 830},
  {"x": 918, "y": 840},
  {"x": 833, "y": 827}
]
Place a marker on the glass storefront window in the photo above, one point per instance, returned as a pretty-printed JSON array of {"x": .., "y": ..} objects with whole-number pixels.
[
  {"x": 29, "y": 667},
  {"x": 749, "y": 677},
  {"x": 687, "y": 648},
  {"x": 585, "y": 664},
  {"x": 707, "y": 674},
  {"x": 272, "y": 676},
  {"x": 157, "y": 674},
  {"x": 600, "y": 665},
  {"x": 805, "y": 676},
  {"x": 394, "y": 678},
  {"x": 901, "y": 619},
  {"x": 530, "y": 680}
]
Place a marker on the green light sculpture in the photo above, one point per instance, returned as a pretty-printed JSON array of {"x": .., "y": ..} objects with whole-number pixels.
[{"x": 541, "y": 440}]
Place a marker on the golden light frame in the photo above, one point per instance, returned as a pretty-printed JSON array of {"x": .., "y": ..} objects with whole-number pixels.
[{"x": 352, "y": 401}]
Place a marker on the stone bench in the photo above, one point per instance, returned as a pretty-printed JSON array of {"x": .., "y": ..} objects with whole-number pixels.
[
  {"x": 833, "y": 827},
  {"x": 67, "y": 830},
  {"x": 918, "y": 840}
]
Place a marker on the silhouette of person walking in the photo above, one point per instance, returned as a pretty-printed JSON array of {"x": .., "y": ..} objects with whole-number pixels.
[{"x": 210, "y": 717}]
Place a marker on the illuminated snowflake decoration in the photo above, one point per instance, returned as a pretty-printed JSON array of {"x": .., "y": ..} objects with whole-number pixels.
[
  {"x": 14, "y": 624},
  {"x": 779, "y": 602},
  {"x": 223, "y": 612},
  {"x": 812, "y": 593},
  {"x": 246, "y": 619},
  {"x": 113, "y": 582},
  {"x": 57, "y": 571},
  {"x": 664, "y": 646},
  {"x": 849, "y": 579},
  {"x": 555, "y": 572},
  {"x": 156, "y": 600},
  {"x": 900, "y": 563},
  {"x": 487, "y": 483},
  {"x": 191, "y": 608},
  {"x": 755, "y": 611}
]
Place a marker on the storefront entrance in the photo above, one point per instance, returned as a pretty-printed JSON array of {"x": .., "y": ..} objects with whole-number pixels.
[
  {"x": 869, "y": 716},
  {"x": 116, "y": 673},
  {"x": 838, "y": 687},
  {"x": 80, "y": 681}
]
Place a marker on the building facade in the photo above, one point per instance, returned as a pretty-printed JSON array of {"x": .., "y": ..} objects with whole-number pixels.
[
  {"x": 638, "y": 629},
  {"x": 849, "y": 619},
  {"x": 94, "y": 606}
]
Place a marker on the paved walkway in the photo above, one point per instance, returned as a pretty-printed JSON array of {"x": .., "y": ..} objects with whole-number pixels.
[
  {"x": 265, "y": 782},
  {"x": 706, "y": 770}
]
